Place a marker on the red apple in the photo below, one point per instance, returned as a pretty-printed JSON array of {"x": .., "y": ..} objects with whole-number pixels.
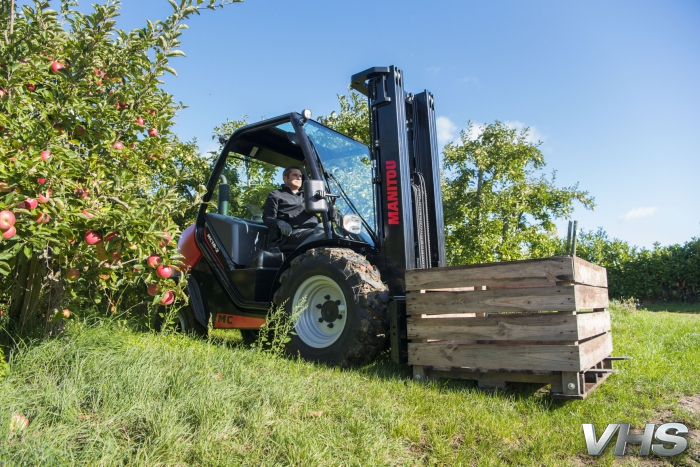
[
  {"x": 104, "y": 277},
  {"x": 43, "y": 218},
  {"x": 66, "y": 313},
  {"x": 168, "y": 298},
  {"x": 55, "y": 66},
  {"x": 72, "y": 274},
  {"x": 140, "y": 121},
  {"x": 4, "y": 188},
  {"x": 30, "y": 203},
  {"x": 18, "y": 422},
  {"x": 2, "y": 93},
  {"x": 30, "y": 86},
  {"x": 111, "y": 236},
  {"x": 164, "y": 271},
  {"x": 44, "y": 199},
  {"x": 41, "y": 181},
  {"x": 118, "y": 145},
  {"x": 132, "y": 145},
  {"x": 85, "y": 212},
  {"x": 92, "y": 237},
  {"x": 154, "y": 261},
  {"x": 152, "y": 112},
  {"x": 152, "y": 132},
  {"x": 152, "y": 289},
  {"x": 7, "y": 219},
  {"x": 9, "y": 233},
  {"x": 45, "y": 155}
]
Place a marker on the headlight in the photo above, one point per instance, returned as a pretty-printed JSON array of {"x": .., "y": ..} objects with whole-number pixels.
[{"x": 352, "y": 223}]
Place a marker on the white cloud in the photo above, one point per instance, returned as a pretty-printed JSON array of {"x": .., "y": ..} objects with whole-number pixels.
[
  {"x": 533, "y": 136},
  {"x": 447, "y": 131},
  {"x": 434, "y": 70},
  {"x": 638, "y": 213}
]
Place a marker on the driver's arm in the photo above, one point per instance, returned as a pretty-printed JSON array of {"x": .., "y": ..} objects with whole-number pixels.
[{"x": 270, "y": 211}]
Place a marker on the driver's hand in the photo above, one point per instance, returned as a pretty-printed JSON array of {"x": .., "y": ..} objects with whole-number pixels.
[{"x": 285, "y": 229}]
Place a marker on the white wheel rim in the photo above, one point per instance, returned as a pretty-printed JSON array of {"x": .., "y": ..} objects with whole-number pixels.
[{"x": 309, "y": 327}]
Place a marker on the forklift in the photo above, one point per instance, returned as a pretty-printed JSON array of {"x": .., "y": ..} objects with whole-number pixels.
[{"x": 380, "y": 208}]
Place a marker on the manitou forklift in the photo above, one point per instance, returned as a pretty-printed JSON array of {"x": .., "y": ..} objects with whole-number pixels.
[{"x": 381, "y": 214}]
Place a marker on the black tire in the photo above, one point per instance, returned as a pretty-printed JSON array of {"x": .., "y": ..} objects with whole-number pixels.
[
  {"x": 250, "y": 336},
  {"x": 364, "y": 321},
  {"x": 185, "y": 322}
]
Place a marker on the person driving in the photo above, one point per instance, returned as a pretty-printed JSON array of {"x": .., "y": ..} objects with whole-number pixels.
[{"x": 284, "y": 209}]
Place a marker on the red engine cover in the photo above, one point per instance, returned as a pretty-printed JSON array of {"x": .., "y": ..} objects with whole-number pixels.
[{"x": 188, "y": 248}]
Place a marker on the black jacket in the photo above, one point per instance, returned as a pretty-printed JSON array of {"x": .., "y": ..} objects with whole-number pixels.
[{"x": 284, "y": 205}]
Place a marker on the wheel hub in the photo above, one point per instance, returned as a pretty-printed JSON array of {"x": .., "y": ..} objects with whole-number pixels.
[{"x": 330, "y": 311}]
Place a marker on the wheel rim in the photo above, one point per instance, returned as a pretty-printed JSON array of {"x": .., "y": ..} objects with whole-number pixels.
[{"x": 324, "y": 315}]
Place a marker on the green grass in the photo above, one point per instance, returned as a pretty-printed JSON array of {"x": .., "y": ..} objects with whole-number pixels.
[{"x": 106, "y": 395}]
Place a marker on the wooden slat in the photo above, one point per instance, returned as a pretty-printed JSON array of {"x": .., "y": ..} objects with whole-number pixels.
[
  {"x": 541, "y": 326},
  {"x": 496, "y": 357},
  {"x": 558, "y": 268},
  {"x": 493, "y": 301},
  {"x": 588, "y": 298},
  {"x": 592, "y": 324},
  {"x": 589, "y": 274},
  {"x": 595, "y": 350}
]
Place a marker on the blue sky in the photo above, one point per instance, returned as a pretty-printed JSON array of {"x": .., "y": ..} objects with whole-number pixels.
[{"x": 611, "y": 88}]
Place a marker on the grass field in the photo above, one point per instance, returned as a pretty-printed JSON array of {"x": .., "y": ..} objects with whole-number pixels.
[{"x": 106, "y": 395}]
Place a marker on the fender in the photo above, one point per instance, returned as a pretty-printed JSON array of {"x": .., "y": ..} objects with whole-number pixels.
[
  {"x": 201, "y": 312},
  {"x": 187, "y": 247},
  {"x": 358, "y": 247}
]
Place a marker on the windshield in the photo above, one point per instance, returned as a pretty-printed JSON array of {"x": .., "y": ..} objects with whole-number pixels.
[{"x": 350, "y": 165}]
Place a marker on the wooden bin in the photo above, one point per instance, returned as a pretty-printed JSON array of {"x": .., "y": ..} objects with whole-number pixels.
[{"x": 519, "y": 321}]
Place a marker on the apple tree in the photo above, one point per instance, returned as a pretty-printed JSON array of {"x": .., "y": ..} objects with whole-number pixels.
[{"x": 93, "y": 182}]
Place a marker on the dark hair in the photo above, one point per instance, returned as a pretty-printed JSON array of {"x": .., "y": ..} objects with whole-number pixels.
[{"x": 285, "y": 174}]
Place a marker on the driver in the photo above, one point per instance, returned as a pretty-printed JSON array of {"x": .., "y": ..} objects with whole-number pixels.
[{"x": 284, "y": 209}]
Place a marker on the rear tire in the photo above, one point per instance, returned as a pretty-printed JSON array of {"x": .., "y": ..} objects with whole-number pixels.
[
  {"x": 345, "y": 317},
  {"x": 185, "y": 322}
]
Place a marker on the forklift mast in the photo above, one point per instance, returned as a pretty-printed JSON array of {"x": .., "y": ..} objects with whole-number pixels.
[
  {"x": 407, "y": 174},
  {"x": 407, "y": 182}
]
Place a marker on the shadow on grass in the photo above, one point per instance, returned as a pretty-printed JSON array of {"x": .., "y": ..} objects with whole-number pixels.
[{"x": 672, "y": 307}]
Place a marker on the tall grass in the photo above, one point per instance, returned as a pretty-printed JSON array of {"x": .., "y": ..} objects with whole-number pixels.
[{"x": 105, "y": 395}]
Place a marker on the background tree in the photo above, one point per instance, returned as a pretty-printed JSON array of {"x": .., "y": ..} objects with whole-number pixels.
[
  {"x": 250, "y": 180},
  {"x": 498, "y": 207},
  {"x": 91, "y": 174}
]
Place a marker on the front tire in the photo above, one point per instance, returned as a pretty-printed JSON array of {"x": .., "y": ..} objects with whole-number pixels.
[{"x": 344, "y": 316}]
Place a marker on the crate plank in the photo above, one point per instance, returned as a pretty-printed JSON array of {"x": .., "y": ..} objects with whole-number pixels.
[
  {"x": 588, "y": 298},
  {"x": 496, "y": 357},
  {"x": 540, "y": 326},
  {"x": 558, "y": 268},
  {"x": 592, "y": 324},
  {"x": 589, "y": 274},
  {"x": 593, "y": 351},
  {"x": 493, "y": 301}
]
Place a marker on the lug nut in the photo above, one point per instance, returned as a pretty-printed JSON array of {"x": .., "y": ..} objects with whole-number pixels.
[
  {"x": 330, "y": 325},
  {"x": 337, "y": 302},
  {"x": 320, "y": 320},
  {"x": 327, "y": 297},
  {"x": 319, "y": 306},
  {"x": 340, "y": 316}
]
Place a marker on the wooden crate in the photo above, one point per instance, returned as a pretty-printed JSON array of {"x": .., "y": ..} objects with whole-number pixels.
[{"x": 520, "y": 321}]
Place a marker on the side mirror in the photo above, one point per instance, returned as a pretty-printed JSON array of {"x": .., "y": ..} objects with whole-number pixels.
[{"x": 315, "y": 197}]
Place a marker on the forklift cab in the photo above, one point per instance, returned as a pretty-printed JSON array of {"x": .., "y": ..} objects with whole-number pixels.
[{"x": 245, "y": 256}]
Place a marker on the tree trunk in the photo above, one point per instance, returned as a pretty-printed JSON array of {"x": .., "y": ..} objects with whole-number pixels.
[{"x": 36, "y": 290}]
